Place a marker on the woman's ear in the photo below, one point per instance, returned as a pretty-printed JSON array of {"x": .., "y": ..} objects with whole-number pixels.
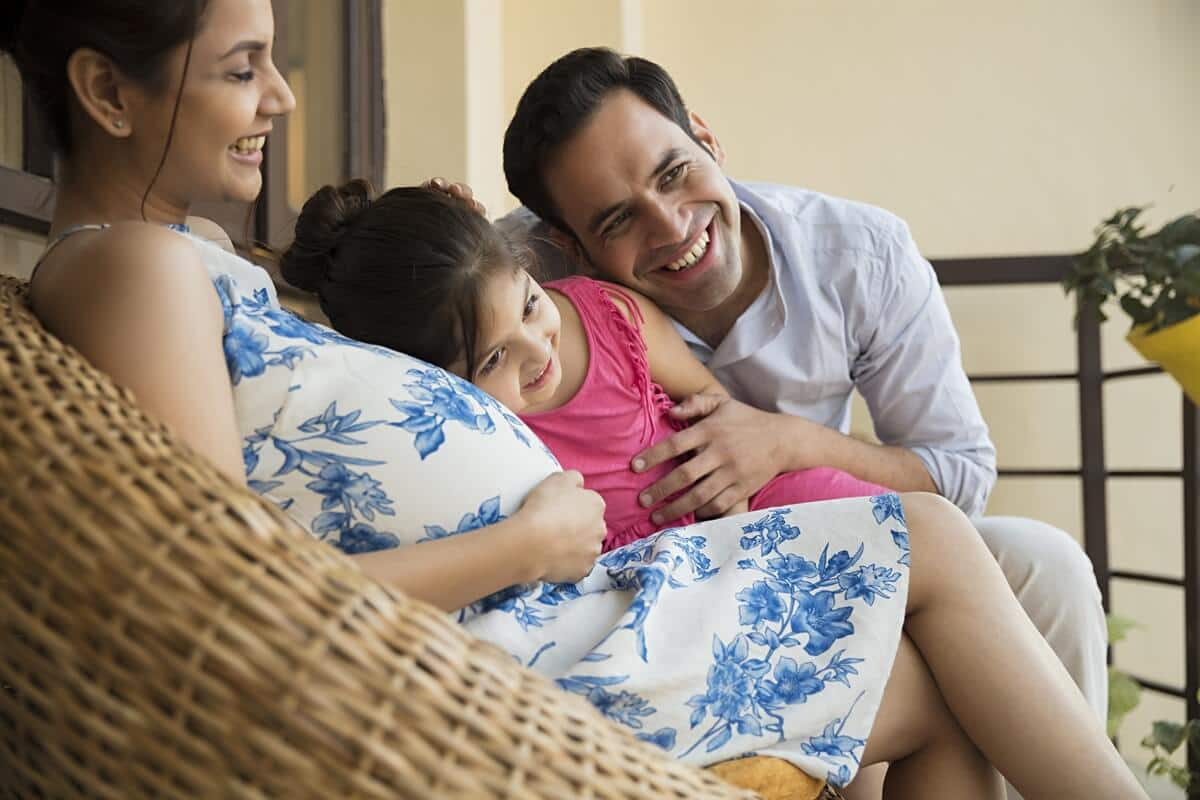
[
  {"x": 708, "y": 140},
  {"x": 99, "y": 89}
]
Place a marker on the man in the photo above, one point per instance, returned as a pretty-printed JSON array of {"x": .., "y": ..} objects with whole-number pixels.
[{"x": 793, "y": 299}]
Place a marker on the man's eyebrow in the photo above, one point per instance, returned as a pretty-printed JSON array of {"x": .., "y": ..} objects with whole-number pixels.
[
  {"x": 598, "y": 218},
  {"x": 246, "y": 44}
]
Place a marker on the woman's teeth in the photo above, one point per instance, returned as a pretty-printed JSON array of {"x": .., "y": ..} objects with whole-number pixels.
[
  {"x": 692, "y": 256},
  {"x": 249, "y": 144}
]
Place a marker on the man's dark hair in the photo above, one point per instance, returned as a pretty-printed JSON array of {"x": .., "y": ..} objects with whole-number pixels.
[{"x": 561, "y": 99}]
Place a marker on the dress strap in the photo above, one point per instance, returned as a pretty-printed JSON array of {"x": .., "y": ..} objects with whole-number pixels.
[{"x": 88, "y": 226}]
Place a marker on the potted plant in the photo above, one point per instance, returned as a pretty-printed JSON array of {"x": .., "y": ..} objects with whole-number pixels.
[{"x": 1156, "y": 279}]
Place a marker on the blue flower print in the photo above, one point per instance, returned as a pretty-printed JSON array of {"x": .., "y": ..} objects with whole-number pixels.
[
  {"x": 795, "y": 683},
  {"x": 831, "y": 743},
  {"x": 488, "y": 514},
  {"x": 840, "y": 777},
  {"x": 436, "y": 401},
  {"x": 887, "y": 506},
  {"x": 792, "y": 569},
  {"x": 356, "y": 491},
  {"x": 362, "y": 538},
  {"x": 901, "y": 540},
  {"x": 869, "y": 582},
  {"x": 622, "y": 707},
  {"x": 824, "y": 624},
  {"x": 760, "y": 602},
  {"x": 244, "y": 349},
  {"x": 288, "y": 325},
  {"x": 732, "y": 684},
  {"x": 841, "y": 561},
  {"x": 663, "y": 737},
  {"x": 769, "y": 532}
]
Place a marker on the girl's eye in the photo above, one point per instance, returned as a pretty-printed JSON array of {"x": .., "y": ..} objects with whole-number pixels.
[
  {"x": 243, "y": 77},
  {"x": 530, "y": 304},
  {"x": 492, "y": 362}
]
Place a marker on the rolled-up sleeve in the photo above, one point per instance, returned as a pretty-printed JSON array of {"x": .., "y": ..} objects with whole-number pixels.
[{"x": 909, "y": 370}]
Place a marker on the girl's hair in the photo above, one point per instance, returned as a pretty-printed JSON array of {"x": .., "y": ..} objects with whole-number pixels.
[
  {"x": 406, "y": 270},
  {"x": 137, "y": 35}
]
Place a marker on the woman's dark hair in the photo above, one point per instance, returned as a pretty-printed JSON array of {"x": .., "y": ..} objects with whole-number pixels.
[
  {"x": 561, "y": 99},
  {"x": 406, "y": 270},
  {"x": 137, "y": 35}
]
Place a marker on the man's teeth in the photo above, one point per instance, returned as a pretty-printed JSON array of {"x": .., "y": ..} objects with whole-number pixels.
[
  {"x": 692, "y": 256},
  {"x": 249, "y": 144}
]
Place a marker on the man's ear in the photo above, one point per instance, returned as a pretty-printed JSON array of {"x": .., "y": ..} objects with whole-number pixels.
[
  {"x": 707, "y": 138},
  {"x": 99, "y": 89},
  {"x": 567, "y": 242},
  {"x": 575, "y": 260}
]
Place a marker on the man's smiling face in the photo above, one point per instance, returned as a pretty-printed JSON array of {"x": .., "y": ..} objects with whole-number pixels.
[{"x": 650, "y": 205}]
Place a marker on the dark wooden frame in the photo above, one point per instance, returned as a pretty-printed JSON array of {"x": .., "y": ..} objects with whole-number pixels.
[{"x": 1091, "y": 377}]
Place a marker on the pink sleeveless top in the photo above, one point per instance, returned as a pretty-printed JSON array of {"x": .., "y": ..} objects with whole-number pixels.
[{"x": 617, "y": 412}]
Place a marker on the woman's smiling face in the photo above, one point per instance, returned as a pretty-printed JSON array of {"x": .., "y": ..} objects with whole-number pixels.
[{"x": 231, "y": 93}]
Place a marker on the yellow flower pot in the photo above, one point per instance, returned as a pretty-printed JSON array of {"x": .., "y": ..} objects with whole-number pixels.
[{"x": 1177, "y": 350}]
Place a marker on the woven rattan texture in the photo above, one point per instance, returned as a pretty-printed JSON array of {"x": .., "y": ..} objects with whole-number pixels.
[{"x": 164, "y": 633}]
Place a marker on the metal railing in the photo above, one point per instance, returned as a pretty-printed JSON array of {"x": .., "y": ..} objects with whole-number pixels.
[{"x": 1093, "y": 471}]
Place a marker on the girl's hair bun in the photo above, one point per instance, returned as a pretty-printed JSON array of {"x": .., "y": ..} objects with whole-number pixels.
[{"x": 319, "y": 230}]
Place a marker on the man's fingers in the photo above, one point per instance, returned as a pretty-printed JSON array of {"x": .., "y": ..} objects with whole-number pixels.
[
  {"x": 686, "y": 474},
  {"x": 697, "y": 405},
  {"x": 672, "y": 447},
  {"x": 687, "y": 502},
  {"x": 726, "y": 501}
]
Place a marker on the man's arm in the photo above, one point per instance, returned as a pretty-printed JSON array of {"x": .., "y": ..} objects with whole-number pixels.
[{"x": 909, "y": 371}]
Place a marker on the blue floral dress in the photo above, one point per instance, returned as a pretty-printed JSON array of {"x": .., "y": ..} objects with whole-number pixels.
[{"x": 770, "y": 633}]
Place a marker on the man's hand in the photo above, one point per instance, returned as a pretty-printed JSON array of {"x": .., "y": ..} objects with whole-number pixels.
[
  {"x": 460, "y": 190},
  {"x": 735, "y": 450}
]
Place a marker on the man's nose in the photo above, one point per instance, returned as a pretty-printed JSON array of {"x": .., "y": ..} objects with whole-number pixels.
[{"x": 669, "y": 223}]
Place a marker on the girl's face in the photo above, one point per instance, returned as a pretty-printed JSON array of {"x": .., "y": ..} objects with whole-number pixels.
[
  {"x": 231, "y": 93},
  {"x": 518, "y": 355}
]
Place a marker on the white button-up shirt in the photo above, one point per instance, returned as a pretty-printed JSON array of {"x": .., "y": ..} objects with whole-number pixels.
[{"x": 851, "y": 303}]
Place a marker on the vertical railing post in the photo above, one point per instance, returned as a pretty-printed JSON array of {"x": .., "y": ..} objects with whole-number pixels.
[
  {"x": 1191, "y": 577},
  {"x": 1091, "y": 444}
]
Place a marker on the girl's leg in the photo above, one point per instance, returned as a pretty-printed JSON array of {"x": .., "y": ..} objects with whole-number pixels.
[
  {"x": 930, "y": 756},
  {"x": 998, "y": 676}
]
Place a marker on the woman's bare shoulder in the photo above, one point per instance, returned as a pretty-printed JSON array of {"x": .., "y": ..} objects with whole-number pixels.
[{"x": 128, "y": 263}]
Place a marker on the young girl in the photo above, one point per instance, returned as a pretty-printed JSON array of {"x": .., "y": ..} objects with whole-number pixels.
[{"x": 593, "y": 368}]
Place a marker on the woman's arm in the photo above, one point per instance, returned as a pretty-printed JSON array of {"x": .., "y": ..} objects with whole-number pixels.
[
  {"x": 555, "y": 536},
  {"x": 137, "y": 302}
]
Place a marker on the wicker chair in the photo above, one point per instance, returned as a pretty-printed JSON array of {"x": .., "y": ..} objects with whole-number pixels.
[{"x": 164, "y": 633}]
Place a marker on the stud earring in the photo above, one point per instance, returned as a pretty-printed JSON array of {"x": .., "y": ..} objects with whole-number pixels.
[{"x": 118, "y": 123}]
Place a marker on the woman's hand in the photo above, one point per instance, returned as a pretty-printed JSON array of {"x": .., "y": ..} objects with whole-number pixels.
[
  {"x": 565, "y": 525},
  {"x": 460, "y": 190}
]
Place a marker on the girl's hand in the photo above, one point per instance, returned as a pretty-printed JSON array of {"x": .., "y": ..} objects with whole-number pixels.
[{"x": 565, "y": 524}]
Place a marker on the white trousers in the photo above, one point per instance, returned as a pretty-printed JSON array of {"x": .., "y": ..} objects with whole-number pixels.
[{"x": 1054, "y": 580}]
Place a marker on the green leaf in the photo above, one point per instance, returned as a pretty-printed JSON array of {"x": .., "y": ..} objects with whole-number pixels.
[
  {"x": 1167, "y": 735},
  {"x": 1124, "y": 694},
  {"x": 1119, "y": 627},
  {"x": 1139, "y": 313}
]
